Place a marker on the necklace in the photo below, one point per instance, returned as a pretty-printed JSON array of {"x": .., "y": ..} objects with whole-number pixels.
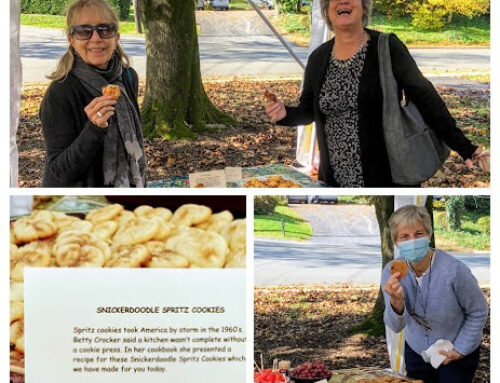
[{"x": 345, "y": 63}]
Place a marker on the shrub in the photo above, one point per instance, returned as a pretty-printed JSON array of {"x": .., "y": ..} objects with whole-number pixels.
[
  {"x": 430, "y": 15},
  {"x": 289, "y": 6},
  {"x": 454, "y": 210},
  {"x": 394, "y": 8},
  {"x": 441, "y": 220},
  {"x": 477, "y": 203},
  {"x": 434, "y": 14},
  {"x": 484, "y": 224},
  {"x": 58, "y": 7},
  {"x": 265, "y": 205}
]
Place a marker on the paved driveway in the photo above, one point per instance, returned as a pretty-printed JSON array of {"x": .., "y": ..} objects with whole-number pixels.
[
  {"x": 231, "y": 44},
  {"x": 346, "y": 248}
]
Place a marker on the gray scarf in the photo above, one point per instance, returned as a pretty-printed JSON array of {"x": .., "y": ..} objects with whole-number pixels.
[{"x": 123, "y": 159}]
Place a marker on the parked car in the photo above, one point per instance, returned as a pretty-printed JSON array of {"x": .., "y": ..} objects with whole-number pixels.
[
  {"x": 264, "y": 3},
  {"x": 221, "y": 4},
  {"x": 325, "y": 199},
  {"x": 297, "y": 199},
  {"x": 200, "y": 5}
]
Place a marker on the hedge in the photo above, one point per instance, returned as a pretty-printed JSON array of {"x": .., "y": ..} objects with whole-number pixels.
[{"x": 58, "y": 7}]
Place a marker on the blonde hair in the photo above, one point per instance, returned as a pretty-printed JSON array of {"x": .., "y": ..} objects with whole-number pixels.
[
  {"x": 408, "y": 216},
  {"x": 367, "y": 11},
  {"x": 74, "y": 9}
]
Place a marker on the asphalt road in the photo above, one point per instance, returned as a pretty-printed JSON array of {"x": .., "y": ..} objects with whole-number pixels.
[
  {"x": 345, "y": 249},
  {"x": 231, "y": 44}
]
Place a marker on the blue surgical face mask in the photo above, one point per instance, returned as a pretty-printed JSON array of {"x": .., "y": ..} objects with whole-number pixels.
[{"x": 414, "y": 250}]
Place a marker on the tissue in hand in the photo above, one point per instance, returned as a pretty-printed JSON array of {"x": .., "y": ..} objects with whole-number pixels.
[{"x": 432, "y": 355}]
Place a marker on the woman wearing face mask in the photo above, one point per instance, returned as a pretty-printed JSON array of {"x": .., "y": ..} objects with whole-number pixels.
[
  {"x": 92, "y": 140},
  {"x": 439, "y": 298},
  {"x": 342, "y": 94}
]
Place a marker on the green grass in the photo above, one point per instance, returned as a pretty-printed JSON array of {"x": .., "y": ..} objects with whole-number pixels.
[
  {"x": 462, "y": 32},
  {"x": 349, "y": 199},
  {"x": 240, "y": 5},
  {"x": 469, "y": 238},
  {"x": 59, "y": 22},
  {"x": 270, "y": 225}
]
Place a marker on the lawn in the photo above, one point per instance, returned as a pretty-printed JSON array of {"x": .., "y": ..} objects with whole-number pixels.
[
  {"x": 470, "y": 237},
  {"x": 463, "y": 32},
  {"x": 271, "y": 225},
  {"x": 59, "y": 22}
]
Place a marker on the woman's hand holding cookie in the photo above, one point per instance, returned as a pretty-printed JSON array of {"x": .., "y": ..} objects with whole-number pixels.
[
  {"x": 396, "y": 292},
  {"x": 100, "y": 110},
  {"x": 275, "y": 108}
]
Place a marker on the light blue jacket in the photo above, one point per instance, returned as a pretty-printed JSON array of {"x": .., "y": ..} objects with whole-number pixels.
[{"x": 456, "y": 308}]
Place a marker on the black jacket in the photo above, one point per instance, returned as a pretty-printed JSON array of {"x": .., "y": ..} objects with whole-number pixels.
[
  {"x": 74, "y": 145},
  {"x": 376, "y": 170}
]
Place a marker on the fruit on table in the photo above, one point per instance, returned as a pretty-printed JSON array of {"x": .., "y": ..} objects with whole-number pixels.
[
  {"x": 311, "y": 370},
  {"x": 268, "y": 376}
]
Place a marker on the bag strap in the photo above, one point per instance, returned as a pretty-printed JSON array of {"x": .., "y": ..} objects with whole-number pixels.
[{"x": 387, "y": 80}]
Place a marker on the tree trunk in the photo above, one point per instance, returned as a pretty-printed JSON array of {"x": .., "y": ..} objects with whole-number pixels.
[
  {"x": 384, "y": 207},
  {"x": 450, "y": 17},
  {"x": 175, "y": 103},
  {"x": 137, "y": 17},
  {"x": 430, "y": 210}
]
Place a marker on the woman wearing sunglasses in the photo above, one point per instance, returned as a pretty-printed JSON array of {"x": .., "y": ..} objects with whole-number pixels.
[
  {"x": 438, "y": 298},
  {"x": 92, "y": 140}
]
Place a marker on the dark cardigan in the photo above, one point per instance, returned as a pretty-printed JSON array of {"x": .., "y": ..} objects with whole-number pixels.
[
  {"x": 375, "y": 163},
  {"x": 74, "y": 145}
]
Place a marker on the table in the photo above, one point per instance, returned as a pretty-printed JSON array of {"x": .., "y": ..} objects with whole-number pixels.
[
  {"x": 286, "y": 171},
  {"x": 353, "y": 375}
]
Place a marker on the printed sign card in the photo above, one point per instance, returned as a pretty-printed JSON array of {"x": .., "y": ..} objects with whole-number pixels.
[{"x": 129, "y": 325}]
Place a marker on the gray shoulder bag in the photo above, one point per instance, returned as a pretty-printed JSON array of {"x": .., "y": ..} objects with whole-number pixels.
[{"x": 414, "y": 151}]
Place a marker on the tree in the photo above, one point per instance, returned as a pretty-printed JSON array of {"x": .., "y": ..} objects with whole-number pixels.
[
  {"x": 289, "y": 6},
  {"x": 384, "y": 207},
  {"x": 434, "y": 14},
  {"x": 175, "y": 103}
]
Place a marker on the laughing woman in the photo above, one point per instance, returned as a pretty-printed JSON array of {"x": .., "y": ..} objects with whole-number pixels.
[
  {"x": 91, "y": 139},
  {"x": 342, "y": 94}
]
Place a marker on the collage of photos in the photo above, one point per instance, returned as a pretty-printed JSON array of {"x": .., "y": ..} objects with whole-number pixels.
[{"x": 337, "y": 226}]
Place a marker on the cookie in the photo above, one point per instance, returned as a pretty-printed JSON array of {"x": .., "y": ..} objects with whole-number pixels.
[
  {"x": 269, "y": 96},
  {"x": 162, "y": 257},
  {"x": 216, "y": 221},
  {"x": 29, "y": 256},
  {"x": 151, "y": 212},
  {"x": 105, "y": 229},
  {"x": 106, "y": 213},
  {"x": 236, "y": 259},
  {"x": 111, "y": 90},
  {"x": 17, "y": 335},
  {"x": 202, "y": 248},
  {"x": 129, "y": 256},
  {"x": 137, "y": 230},
  {"x": 399, "y": 267},
  {"x": 191, "y": 214},
  {"x": 74, "y": 249},
  {"x": 235, "y": 234},
  {"x": 33, "y": 228}
]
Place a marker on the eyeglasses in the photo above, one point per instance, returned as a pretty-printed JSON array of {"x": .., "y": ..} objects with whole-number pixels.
[
  {"x": 421, "y": 321},
  {"x": 85, "y": 32}
]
